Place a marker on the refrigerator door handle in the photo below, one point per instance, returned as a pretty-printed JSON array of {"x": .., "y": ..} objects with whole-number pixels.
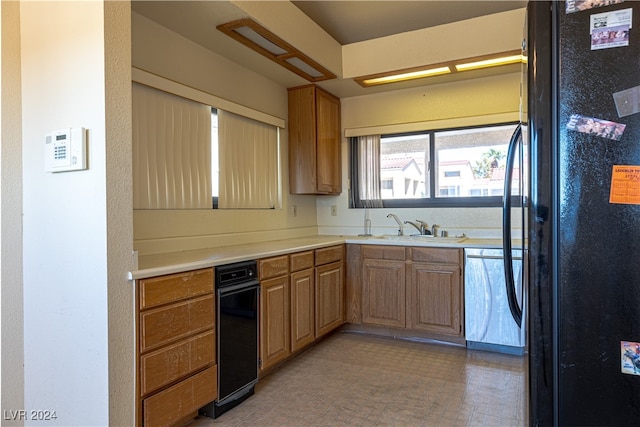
[{"x": 516, "y": 311}]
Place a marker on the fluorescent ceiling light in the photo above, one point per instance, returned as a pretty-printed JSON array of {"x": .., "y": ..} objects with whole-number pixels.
[
  {"x": 493, "y": 62},
  {"x": 299, "y": 63},
  {"x": 406, "y": 76},
  {"x": 505, "y": 58},
  {"x": 263, "y": 41}
]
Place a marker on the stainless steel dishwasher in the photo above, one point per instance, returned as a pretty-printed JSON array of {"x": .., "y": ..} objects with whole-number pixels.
[
  {"x": 489, "y": 324},
  {"x": 237, "y": 296}
]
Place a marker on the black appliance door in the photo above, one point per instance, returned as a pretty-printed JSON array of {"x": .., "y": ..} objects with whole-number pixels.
[
  {"x": 237, "y": 338},
  {"x": 598, "y": 241},
  {"x": 586, "y": 270}
]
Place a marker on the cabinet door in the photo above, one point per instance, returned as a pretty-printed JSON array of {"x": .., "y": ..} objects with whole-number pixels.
[
  {"x": 383, "y": 293},
  {"x": 302, "y": 140},
  {"x": 435, "y": 301},
  {"x": 328, "y": 157},
  {"x": 302, "y": 309},
  {"x": 329, "y": 297},
  {"x": 274, "y": 320}
]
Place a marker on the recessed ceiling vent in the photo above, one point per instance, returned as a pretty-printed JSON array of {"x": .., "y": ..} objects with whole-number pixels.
[{"x": 258, "y": 38}]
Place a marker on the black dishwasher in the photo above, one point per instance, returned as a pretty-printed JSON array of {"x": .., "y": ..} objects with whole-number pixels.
[{"x": 237, "y": 299}]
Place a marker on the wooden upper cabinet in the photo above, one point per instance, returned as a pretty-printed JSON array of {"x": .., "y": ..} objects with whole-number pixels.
[{"x": 315, "y": 163}]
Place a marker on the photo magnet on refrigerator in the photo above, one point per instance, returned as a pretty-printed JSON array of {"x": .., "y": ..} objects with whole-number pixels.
[
  {"x": 630, "y": 357},
  {"x": 610, "y": 29},
  {"x": 580, "y": 5},
  {"x": 595, "y": 126}
]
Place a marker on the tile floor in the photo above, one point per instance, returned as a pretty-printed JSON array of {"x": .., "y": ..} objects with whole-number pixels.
[{"x": 351, "y": 379}]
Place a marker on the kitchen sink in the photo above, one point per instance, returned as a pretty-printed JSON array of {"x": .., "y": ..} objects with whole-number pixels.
[{"x": 420, "y": 238}]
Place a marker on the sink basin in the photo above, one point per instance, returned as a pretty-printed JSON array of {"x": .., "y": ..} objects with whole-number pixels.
[{"x": 420, "y": 238}]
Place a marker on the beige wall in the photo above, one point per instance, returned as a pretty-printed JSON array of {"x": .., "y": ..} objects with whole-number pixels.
[
  {"x": 170, "y": 230},
  {"x": 484, "y": 35},
  {"x": 464, "y": 103},
  {"x": 119, "y": 212},
  {"x": 11, "y": 212}
]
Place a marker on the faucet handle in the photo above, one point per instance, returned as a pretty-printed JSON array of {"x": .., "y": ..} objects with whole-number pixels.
[{"x": 423, "y": 226}]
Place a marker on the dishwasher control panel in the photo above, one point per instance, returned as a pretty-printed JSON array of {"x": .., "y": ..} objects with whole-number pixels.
[{"x": 239, "y": 272}]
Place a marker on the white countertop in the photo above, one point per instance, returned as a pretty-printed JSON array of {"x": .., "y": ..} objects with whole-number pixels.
[{"x": 176, "y": 262}]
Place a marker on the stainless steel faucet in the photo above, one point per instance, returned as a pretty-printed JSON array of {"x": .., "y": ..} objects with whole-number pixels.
[
  {"x": 434, "y": 229},
  {"x": 400, "y": 226},
  {"x": 422, "y": 228}
]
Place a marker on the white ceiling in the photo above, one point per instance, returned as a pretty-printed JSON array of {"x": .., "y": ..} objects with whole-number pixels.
[{"x": 346, "y": 21}]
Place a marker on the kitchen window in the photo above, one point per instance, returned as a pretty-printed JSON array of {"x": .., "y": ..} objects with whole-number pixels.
[{"x": 461, "y": 167}]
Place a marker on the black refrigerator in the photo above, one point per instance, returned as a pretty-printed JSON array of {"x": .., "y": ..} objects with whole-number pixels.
[{"x": 584, "y": 213}]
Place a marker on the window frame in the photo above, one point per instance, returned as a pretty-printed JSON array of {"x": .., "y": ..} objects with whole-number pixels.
[{"x": 432, "y": 201}]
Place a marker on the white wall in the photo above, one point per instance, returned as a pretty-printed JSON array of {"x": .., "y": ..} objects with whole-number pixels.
[
  {"x": 462, "y": 103},
  {"x": 78, "y": 305},
  {"x": 157, "y": 231},
  {"x": 12, "y": 347}
]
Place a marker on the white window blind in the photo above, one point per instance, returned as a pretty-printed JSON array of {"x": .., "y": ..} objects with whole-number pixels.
[
  {"x": 248, "y": 156},
  {"x": 171, "y": 151}
]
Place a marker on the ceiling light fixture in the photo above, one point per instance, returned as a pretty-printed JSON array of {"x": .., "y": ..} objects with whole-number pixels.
[
  {"x": 406, "y": 76},
  {"x": 493, "y": 62},
  {"x": 261, "y": 40},
  {"x": 504, "y": 58}
]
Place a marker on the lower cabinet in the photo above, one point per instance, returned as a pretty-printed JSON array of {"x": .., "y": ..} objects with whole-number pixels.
[
  {"x": 302, "y": 299},
  {"x": 302, "y": 306},
  {"x": 176, "y": 402},
  {"x": 274, "y": 324},
  {"x": 177, "y": 371},
  {"x": 274, "y": 310},
  {"x": 329, "y": 297},
  {"x": 410, "y": 288},
  {"x": 435, "y": 298},
  {"x": 383, "y": 291}
]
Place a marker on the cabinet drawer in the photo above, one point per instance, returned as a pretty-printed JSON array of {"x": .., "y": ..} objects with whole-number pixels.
[
  {"x": 330, "y": 254},
  {"x": 176, "y": 361},
  {"x": 393, "y": 253},
  {"x": 273, "y": 267},
  {"x": 436, "y": 255},
  {"x": 175, "y": 287},
  {"x": 301, "y": 261},
  {"x": 176, "y": 402},
  {"x": 163, "y": 325}
]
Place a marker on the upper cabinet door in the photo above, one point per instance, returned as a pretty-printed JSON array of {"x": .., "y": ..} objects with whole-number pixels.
[
  {"x": 315, "y": 164},
  {"x": 328, "y": 160}
]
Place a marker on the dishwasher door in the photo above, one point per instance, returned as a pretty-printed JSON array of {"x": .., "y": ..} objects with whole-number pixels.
[{"x": 489, "y": 324}]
